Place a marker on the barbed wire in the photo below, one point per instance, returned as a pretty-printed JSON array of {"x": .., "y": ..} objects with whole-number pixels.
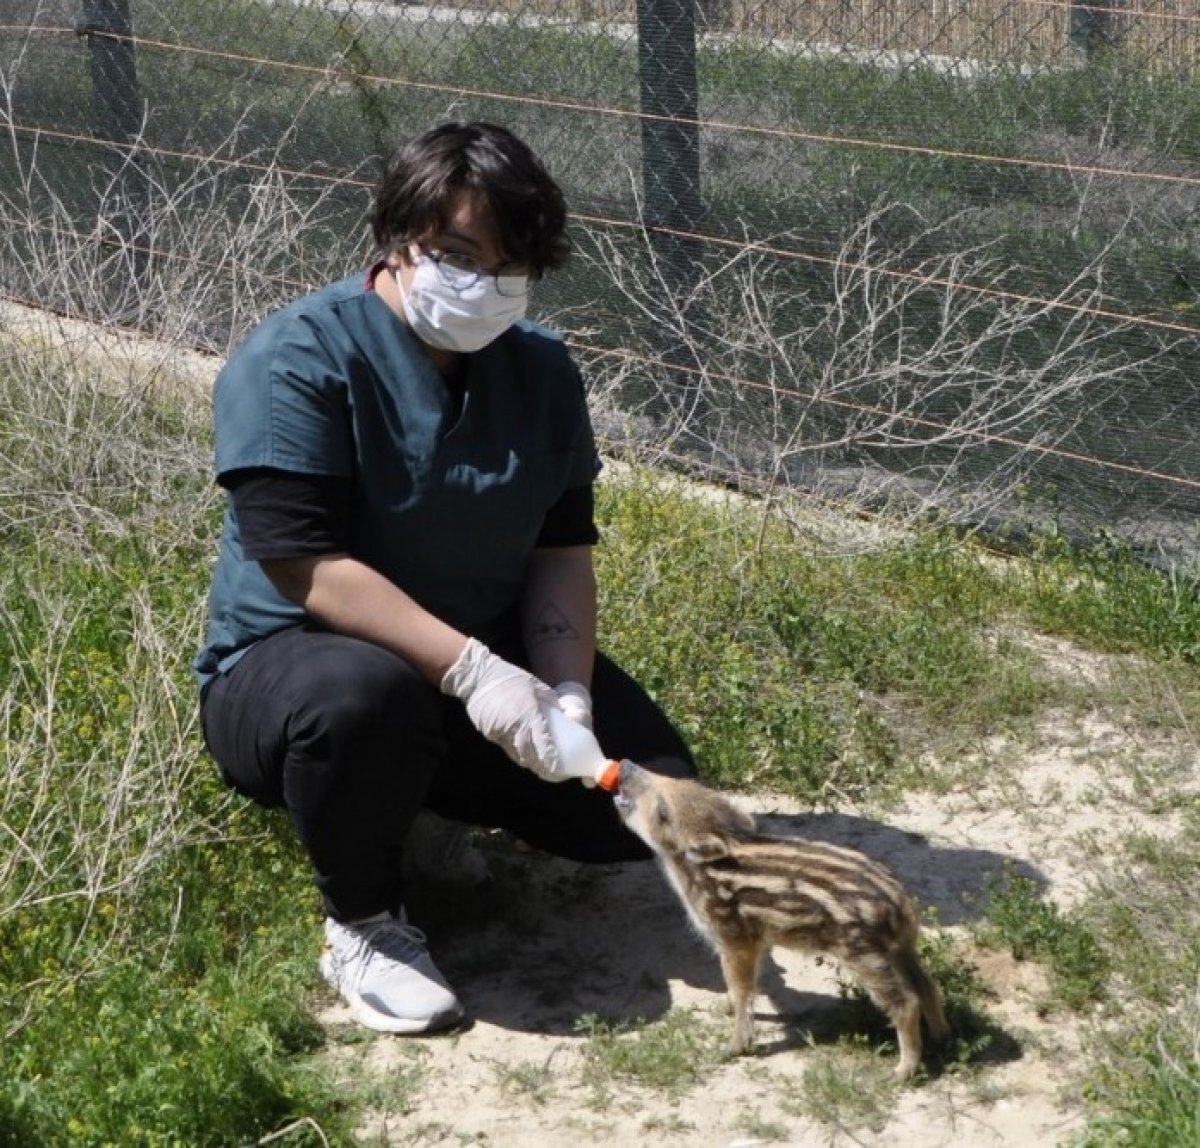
[
  {"x": 982, "y": 436},
  {"x": 896, "y": 268},
  {"x": 583, "y": 107},
  {"x": 600, "y": 352},
  {"x": 1109, "y": 10},
  {"x": 1145, "y": 321}
]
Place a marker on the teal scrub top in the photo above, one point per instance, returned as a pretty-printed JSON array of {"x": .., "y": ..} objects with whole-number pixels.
[{"x": 447, "y": 502}]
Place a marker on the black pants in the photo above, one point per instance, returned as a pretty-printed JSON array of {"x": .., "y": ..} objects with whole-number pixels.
[{"x": 353, "y": 742}]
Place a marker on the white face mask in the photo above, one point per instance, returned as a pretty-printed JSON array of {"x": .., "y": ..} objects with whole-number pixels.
[{"x": 463, "y": 315}]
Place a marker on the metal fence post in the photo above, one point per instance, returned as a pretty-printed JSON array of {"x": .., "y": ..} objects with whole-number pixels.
[
  {"x": 670, "y": 133},
  {"x": 1092, "y": 29},
  {"x": 671, "y": 157},
  {"x": 118, "y": 118}
]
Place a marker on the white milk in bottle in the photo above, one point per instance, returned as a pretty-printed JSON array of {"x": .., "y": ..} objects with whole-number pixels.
[{"x": 579, "y": 752}]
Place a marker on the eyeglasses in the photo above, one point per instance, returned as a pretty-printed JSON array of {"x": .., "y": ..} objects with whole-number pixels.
[{"x": 460, "y": 272}]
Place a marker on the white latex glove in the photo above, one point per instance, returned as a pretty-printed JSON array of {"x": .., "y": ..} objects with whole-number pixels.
[
  {"x": 575, "y": 701},
  {"x": 504, "y": 702}
]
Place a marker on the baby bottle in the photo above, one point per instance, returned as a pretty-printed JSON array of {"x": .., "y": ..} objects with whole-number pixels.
[{"x": 579, "y": 752}]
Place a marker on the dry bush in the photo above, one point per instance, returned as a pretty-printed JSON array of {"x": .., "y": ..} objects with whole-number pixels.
[{"x": 906, "y": 371}]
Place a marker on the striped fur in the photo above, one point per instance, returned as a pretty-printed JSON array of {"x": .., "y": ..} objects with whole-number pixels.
[{"x": 747, "y": 892}]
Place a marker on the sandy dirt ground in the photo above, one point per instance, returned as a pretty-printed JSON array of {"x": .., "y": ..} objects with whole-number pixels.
[{"x": 548, "y": 942}]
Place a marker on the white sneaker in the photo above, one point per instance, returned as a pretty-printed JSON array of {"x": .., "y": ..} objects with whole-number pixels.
[
  {"x": 382, "y": 968},
  {"x": 439, "y": 851}
]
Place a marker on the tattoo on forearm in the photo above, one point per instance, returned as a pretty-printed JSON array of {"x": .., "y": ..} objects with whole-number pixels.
[{"x": 552, "y": 625}]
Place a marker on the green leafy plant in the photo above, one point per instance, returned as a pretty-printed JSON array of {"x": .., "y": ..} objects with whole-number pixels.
[
  {"x": 157, "y": 970},
  {"x": 845, "y": 1093},
  {"x": 1150, "y": 1096},
  {"x": 1018, "y": 918},
  {"x": 1102, "y": 593},
  {"x": 670, "y": 1054}
]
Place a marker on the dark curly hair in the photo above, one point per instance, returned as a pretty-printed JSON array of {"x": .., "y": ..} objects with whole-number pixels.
[{"x": 423, "y": 177}]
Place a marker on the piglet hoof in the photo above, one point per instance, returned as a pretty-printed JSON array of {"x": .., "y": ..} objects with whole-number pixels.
[
  {"x": 904, "y": 1072},
  {"x": 740, "y": 1042}
]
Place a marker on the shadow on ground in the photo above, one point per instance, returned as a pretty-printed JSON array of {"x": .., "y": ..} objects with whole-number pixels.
[
  {"x": 548, "y": 941},
  {"x": 807, "y": 1018}
]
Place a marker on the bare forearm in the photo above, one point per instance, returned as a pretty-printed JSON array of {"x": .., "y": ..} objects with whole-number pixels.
[
  {"x": 558, "y": 614},
  {"x": 349, "y": 597}
]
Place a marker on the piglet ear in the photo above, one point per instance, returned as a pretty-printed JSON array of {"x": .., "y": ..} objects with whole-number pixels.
[{"x": 706, "y": 849}]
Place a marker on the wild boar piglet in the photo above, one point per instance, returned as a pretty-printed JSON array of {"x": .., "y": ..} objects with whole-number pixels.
[{"x": 747, "y": 892}]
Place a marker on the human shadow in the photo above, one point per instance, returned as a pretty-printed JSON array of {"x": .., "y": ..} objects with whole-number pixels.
[
  {"x": 950, "y": 882},
  {"x": 547, "y": 942}
]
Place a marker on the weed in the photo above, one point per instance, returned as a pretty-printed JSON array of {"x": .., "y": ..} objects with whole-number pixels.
[
  {"x": 1018, "y": 918},
  {"x": 669, "y": 1125},
  {"x": 844, "y": 1093},
  {"x": 669, "y": 1055},
  {"x": 156, "y": 934},
  {"x": 1148, "y": 1094},
  {"x": 975, "y": 1040},
  {"x": 525, "y": 1080},
  {"x": 393, "y": 1090},
  {"x": 753, "y": 1126},
  {"x": 963, "y": 993}
]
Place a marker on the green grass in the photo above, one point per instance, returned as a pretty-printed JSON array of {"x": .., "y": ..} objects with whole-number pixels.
[
  {"x": 157, "y": 936},
  {"x": 671, "y": 1054},
  {"x": 1018, "y": 918},
  {"x": 1144, "y": 1090},
  {"x": 1103, "y": 595},
  {"x": 151, "y": 990},
  {"x": 1153, "y": 1099},
  {"x": 775, "y": 680}
]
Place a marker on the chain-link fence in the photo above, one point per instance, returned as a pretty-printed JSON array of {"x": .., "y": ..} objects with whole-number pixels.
[{"x": 923, "y": 253}]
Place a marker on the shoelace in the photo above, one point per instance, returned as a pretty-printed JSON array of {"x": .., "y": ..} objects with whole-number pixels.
[{"x": 395, "y": 940}]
